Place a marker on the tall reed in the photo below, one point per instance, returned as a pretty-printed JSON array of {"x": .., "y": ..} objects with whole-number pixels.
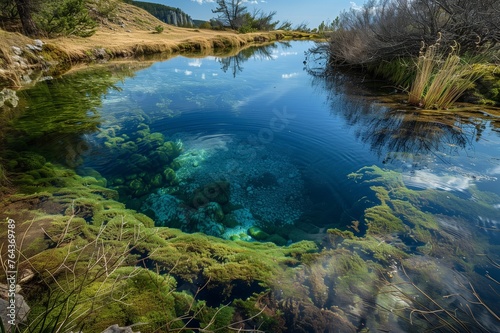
[{"x": 440, "y": 78}]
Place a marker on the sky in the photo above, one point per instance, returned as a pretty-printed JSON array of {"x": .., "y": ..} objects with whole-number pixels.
[{"x": 311, "y": 12}]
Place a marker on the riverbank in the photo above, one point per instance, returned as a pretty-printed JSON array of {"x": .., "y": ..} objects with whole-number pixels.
[{"x": 130, "y": 34}]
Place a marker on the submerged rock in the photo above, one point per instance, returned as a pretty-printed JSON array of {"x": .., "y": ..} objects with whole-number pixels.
[{"x": 258, "y": 234}]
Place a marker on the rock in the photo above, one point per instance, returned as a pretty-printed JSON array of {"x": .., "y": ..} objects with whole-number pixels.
[
  {"x": 100, "y": 53},
  {"x": 20, "y": 61},
  {"x": 17, "y": 50},
  {"x": 4, "y": 290},
  {"x": 8, "y": 97},
  {"x": 19, "y": 315},
  {"x": 117, "y": 329},
  {"x": 33, "y": 47},
  {"x": 258, "y": 234},
  {"x": 38, "y": 43}
]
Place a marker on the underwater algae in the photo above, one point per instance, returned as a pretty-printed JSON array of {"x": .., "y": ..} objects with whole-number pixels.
[
  {"x": 441, "y": 249},
  {"x": 91, "y": 247},
  {"x": 177, "y": 279}
]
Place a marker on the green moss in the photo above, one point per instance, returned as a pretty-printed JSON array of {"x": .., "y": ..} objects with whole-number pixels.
[
  {"x": 300, "y": 248},
  {"x": 215, "y": 318},
  {"x": 170, "y": 176},
  {"x": 30, "y": 161},
  {"x": 277, "y": 239},
  {"x": 487, "y": 87}
]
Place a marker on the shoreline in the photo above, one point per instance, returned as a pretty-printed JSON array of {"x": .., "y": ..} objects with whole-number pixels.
[{"x": 25, "y": 61}]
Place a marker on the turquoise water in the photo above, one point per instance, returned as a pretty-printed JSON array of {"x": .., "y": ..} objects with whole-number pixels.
[{"x": 256, "y": 148}]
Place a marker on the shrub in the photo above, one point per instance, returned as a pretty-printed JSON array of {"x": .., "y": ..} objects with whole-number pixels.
[{"x": 159, "y": 29}]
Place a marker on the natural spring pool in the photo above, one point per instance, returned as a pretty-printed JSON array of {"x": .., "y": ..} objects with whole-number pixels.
[{"x": 254, "y": 147}]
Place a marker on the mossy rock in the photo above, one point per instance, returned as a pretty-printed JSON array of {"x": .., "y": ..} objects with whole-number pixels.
[
  {"x": 257, "y": 233},
  {"x": 138, "y": 161},
  {"x": 129, "y": 146},
  {"x": 277, "y": 239},
  {"x": 170, "y": 176}
]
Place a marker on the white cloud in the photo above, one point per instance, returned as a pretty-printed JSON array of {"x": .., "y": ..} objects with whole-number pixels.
[
  {"x": 356, "y": 6},
  {"x": 289, "y": 76},
  {"x": 203, "y": 76},
  {"x": 188, "y": 72},
  {"x": 203, "y": 1},
  {"x": 427, "y": 180},
  {"x": 195, "y": 63},
  {"x": 494, "y": 171},
  {"x": 288, "y": 53}
]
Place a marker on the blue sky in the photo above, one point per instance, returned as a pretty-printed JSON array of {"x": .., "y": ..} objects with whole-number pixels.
[{"x": 311, "y": 12}]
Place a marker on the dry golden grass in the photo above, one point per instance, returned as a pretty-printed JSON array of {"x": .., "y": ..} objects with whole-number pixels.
[{"x": 441, "y": 79}]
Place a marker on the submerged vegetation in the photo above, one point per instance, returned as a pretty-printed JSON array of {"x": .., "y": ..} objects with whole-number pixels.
[{"x": 404, "y": 264}]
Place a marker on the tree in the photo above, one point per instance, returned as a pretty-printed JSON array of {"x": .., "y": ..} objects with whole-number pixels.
[
  {"x": 55, "y": 18},
  {"x": 25, "y": 10},
  {"x": 231, "y": 13}
]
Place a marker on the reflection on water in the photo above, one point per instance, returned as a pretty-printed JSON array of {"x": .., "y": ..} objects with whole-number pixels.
[
  {"x": 268, "y": 152},
  {"x": 235, "y": 63}
]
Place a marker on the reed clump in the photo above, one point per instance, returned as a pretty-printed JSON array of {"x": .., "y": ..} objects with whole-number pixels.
[{"x": 441, "y": 78}]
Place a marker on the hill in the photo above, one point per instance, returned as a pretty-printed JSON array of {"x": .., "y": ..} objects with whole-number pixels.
[{"x": 167, "y": 14}]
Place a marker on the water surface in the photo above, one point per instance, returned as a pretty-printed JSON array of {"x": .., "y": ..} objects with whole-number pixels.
[{"x": 225, "y": 145}]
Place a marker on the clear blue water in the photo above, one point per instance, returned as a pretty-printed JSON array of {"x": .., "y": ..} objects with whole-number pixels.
[{"x": 266, "y": 105}]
